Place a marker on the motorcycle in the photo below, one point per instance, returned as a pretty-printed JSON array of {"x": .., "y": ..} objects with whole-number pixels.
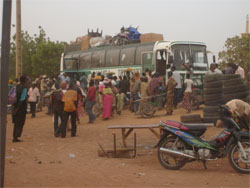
[
  {"x": 181, "y": 143},
  {"x": 126, "y": 36}
]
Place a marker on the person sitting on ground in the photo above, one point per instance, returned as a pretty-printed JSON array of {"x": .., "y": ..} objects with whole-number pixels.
[{"x": 187, "y": 94}]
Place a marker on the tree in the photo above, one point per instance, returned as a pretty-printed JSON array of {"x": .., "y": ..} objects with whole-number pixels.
[
  {"x": 237, "y": 50},
  {"x": 40, "y": 55}
]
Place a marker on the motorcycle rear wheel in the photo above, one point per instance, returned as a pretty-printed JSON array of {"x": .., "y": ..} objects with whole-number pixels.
[
  {"x": 237, "y": 160},
  {"x": 169, "y": 161}
]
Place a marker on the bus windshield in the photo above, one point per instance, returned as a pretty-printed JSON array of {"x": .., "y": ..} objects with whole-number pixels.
[{"x": 189, "y": 54}]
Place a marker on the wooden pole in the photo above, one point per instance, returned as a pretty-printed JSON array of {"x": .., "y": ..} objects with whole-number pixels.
[
  {"x": 4, "y": 76},
  {"x": 18, "y": 40}
]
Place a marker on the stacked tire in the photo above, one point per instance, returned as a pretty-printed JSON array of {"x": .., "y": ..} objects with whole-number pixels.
[
  {"x": 213, "y": 96},
  {"x": 234, "y": 88}
]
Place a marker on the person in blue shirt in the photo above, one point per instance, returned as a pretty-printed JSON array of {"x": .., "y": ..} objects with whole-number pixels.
[{"x": 19, "y": 109}]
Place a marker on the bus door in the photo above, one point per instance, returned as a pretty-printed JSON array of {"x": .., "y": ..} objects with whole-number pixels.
[
  {"x": 161, "y": 62},
  {"x": 147, "y": 61}
]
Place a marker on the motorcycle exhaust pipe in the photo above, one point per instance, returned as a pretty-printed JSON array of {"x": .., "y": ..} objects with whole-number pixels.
[{"x": 176, "y": 153}]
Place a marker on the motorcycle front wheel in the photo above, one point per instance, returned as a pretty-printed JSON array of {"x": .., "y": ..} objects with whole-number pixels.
[
  {"x": 237, "y": 159},
  {"x": 170, "y": 161}
]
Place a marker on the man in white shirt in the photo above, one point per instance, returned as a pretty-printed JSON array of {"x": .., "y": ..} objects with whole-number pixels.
[
  {"x": 239, "y": 70},
  {"x": 178, "y": 89},
  {"x": 212, "y": 69},
  {"x": 217, "y": 70},
  {"x": 33, "y": 94}
]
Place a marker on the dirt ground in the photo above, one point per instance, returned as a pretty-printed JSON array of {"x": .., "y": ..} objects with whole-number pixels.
[{"x": 42, "y": 160}]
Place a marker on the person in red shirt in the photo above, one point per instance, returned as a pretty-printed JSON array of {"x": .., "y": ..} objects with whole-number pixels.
[{"x": 90, "y": 101}]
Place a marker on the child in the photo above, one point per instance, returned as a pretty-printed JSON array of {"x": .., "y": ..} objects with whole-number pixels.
[{"x": 119, "y": 102}]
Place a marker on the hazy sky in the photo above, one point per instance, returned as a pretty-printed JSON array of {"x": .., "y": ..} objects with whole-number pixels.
[{"x": 209, "y": 21}]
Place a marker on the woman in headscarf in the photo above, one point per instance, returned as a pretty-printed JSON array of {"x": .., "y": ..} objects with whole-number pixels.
[
  {"x": 153, "y": 86},
  {"x": 107, "y": 101}
]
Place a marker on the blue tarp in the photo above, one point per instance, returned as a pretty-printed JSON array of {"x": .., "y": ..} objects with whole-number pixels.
[{"x": 134, "y": 34}]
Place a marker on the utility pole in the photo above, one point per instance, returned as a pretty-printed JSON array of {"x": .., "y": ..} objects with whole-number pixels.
[
  {"x": 4, "y": 76},
  {"x": 18, "y": 40}
]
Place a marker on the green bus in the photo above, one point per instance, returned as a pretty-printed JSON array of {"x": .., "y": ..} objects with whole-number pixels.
[{"x": 154, "y": 56}]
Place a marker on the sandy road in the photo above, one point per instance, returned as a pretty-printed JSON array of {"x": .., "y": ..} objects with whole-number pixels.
[{"x": 45, "y": 161}]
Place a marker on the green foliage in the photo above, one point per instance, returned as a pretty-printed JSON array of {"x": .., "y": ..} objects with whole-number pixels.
[
  {"x": 40, "y": 55},
  {"x": 237, "y": 50}
]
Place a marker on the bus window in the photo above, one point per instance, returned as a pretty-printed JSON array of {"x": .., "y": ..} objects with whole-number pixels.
[
  {"x": 139, "y": 52},
  {"x": 85, "y": 60},
  {"x": 147, "y": 58},
  {"x": 112, "y": 57},
  {"x": 181, "y": 55},
  {"x": 97, "y": 59},
  {"x": 70, "y": 64},
  {"x": 127, "y": 56},
  {"x": 199, "y": 57}
]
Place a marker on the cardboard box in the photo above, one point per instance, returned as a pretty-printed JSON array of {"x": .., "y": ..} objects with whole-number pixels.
[
  {"x": 85, "y": 42},
  {"x": 151, "y": 37}
]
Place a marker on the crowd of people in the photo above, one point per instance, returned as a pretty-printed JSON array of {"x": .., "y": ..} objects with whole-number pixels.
[{"x": 67, "y": 98}]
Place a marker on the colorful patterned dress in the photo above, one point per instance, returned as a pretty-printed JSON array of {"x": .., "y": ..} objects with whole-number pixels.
[{"x": 170, "y": 95}]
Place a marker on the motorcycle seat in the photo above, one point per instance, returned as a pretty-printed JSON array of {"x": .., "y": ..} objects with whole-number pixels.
[{"x": 193, "y": 129}]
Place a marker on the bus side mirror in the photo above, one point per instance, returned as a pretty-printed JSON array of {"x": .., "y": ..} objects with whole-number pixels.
[{"x": 214, "y": 58}]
